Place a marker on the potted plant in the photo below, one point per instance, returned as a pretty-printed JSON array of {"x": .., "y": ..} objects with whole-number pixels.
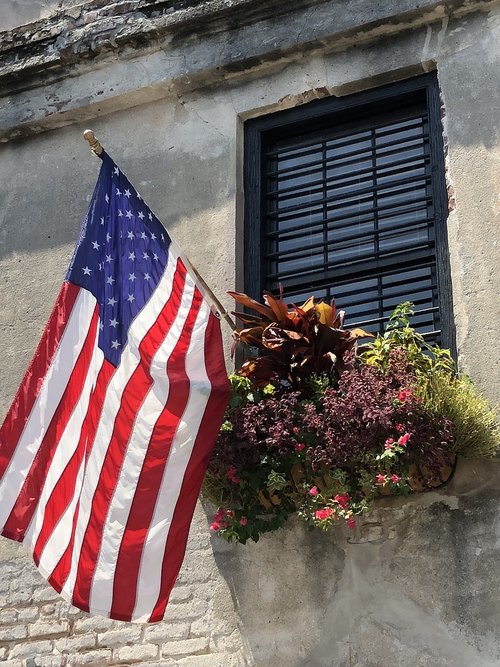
[{"x": 322, "y": 421}]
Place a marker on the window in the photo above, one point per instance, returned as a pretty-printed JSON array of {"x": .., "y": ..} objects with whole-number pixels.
[{"x": 346, "y": 197}]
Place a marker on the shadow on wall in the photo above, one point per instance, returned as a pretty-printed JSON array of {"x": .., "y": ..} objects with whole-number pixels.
[
  {"x": 417, "y": 584},
  {"x": 47, "y": 181}
]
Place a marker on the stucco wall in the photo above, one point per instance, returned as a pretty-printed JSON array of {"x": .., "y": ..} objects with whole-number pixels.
[{"x": 418, "y": 584}]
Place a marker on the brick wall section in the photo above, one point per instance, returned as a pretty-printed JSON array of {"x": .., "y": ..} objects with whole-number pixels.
[{"x": 39, "y": 629}]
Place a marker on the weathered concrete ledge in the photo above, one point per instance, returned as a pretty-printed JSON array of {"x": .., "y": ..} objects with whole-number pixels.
[{"x": 93, "y": 59}]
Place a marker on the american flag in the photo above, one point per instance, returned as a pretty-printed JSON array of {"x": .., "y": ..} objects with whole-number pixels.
[{"x": 104, "y": 448}]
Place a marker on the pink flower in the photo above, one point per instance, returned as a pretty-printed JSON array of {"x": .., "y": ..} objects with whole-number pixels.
[
  {"x": 343, "y": 500},
  {"x": 404, "y": 395},
  {"x": 299, "y": 446},
  {"x": 403, "y": 440},
  {"x": 215, "y": 526},
  {"x": 296, "y": 429},
  {"x": 389, "y": 443},
  {"x": 221, "y": 513},
  {"x": 243, "y": 521},
  {"x": 313, "y": 491},
  {"x": 323, "y": 514},
  {"x": 395, "y": 479},
  {"x": 399, "y": 428},
  {"x": 381, "y": 479},
  {"x": 351, "y": 522},
  {"x": 235, "y": 479}
]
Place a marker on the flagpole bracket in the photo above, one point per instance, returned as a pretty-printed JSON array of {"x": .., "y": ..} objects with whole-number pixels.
[{"x": 94, "y": 143}]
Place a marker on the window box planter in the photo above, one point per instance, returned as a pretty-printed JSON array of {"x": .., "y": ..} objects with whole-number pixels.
[{"x": 323, "y": 422}]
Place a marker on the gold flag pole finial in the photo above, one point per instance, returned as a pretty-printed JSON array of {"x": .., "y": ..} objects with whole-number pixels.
[{"x": 94, "y": 144}]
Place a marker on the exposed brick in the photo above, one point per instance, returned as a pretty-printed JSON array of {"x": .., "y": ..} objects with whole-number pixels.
[
  {"x": 28, "y": 614},
  {"x": 46, "y": 594},
  {"x": 48, "y": 661},
  {"x": 136, "y": 653},
  {"x": 94, "y": 624},
  {"x": 185, "y": 647},
  {"x": 165, "y": 631},
  {"x": 48, "y": 609},
  {"x": 181, "y": 594},
  {"x": 48, "y": 628},
  {"x": 186, "y": 611},
  {"x": 91, "y": 659},
  {"x": 8, "y": 616},
  {"x": 120, "y": 637},
  {"x": 19, "y": 597},
  {"x": 9, "y": 633},
  {"x": 75, "y": 644},
  {"x": 31, "y": 649}
]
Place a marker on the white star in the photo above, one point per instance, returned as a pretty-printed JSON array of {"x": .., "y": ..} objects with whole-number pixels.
[
  {"x": 106, "y": 198},
  {"x": 116, "y": 171},
  {"x": 111, "y": 301},
  {"x": 118, "y": 191},
  {"x": 141, "y": 215},
  {"x": 147, "y": 276},
  {"x": 145, "y": 255},
  {"x": 108, "y": 237},
  {"x": 100, "y": 266},
  {"x": 138, "y": 196},
  {"x": 130, "y": 235},
  {"x": 131, "y": 298},
  {"x": 102, "y": 221},
  {"x": 128, "y": 214},
  {"x": 150, "y": 216},
  {"x": 131, "y": 255},
  {"x": 155, "y": 257},
  {"x": 127, "y": 193},
  {"x": 110, "y": 280},
  {"x": 87, "y": 271},
  {"x": 153, "y": 237},
  {"x": 131, "y": 276},
  {"x": 109, "y": 258},
  {"x": 120, "y": 214},
  {"x": 95, "y": 245},
  {"x": 143, "y": 235},
  {"x": 113, "y": 322},
  {"x": 115, "y": 345},
  {"x": 101, "y": 325},
  {"x": 162, "y": 237}
]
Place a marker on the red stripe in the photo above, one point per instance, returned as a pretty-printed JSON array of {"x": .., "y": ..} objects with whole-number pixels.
[
  {"x": 29, "y": 496},
  {"x": 131, "y": 400},
  {"x": 61, "y": 571},
  {"x": 195, "y": 471},
  {"x": 150, "y": 479},
  {"x": 64, "y": 489},
  {"x": 31, "y": 384}
]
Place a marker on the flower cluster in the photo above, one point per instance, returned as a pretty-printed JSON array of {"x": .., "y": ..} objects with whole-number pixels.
[{"x": 326, "y": 450}]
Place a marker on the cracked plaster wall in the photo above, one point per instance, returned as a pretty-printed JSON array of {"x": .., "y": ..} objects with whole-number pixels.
[{"x": 418, "y": 584}]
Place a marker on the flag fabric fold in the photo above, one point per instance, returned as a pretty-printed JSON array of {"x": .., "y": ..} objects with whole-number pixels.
[{"x": 103, "y": 451}]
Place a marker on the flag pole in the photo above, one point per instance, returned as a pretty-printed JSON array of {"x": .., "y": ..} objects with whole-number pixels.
[{"x": 96, "y": 148}]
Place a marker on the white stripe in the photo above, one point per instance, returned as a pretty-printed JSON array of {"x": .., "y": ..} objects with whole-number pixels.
[
  {"x": 61, "y": 535},
  {"x": 149, "y": 582},
  {"x": 101, "y": 596},
  {"x": 56, "y": 544},
  {"x": 49, "y": 397},
  {"x": 129, "y": 361}
]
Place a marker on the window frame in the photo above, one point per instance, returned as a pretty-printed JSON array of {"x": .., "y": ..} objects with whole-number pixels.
[{"x": 295, "y": 120}]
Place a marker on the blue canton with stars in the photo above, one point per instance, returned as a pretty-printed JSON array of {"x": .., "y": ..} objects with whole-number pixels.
[{"x": 120, "y": 256}]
